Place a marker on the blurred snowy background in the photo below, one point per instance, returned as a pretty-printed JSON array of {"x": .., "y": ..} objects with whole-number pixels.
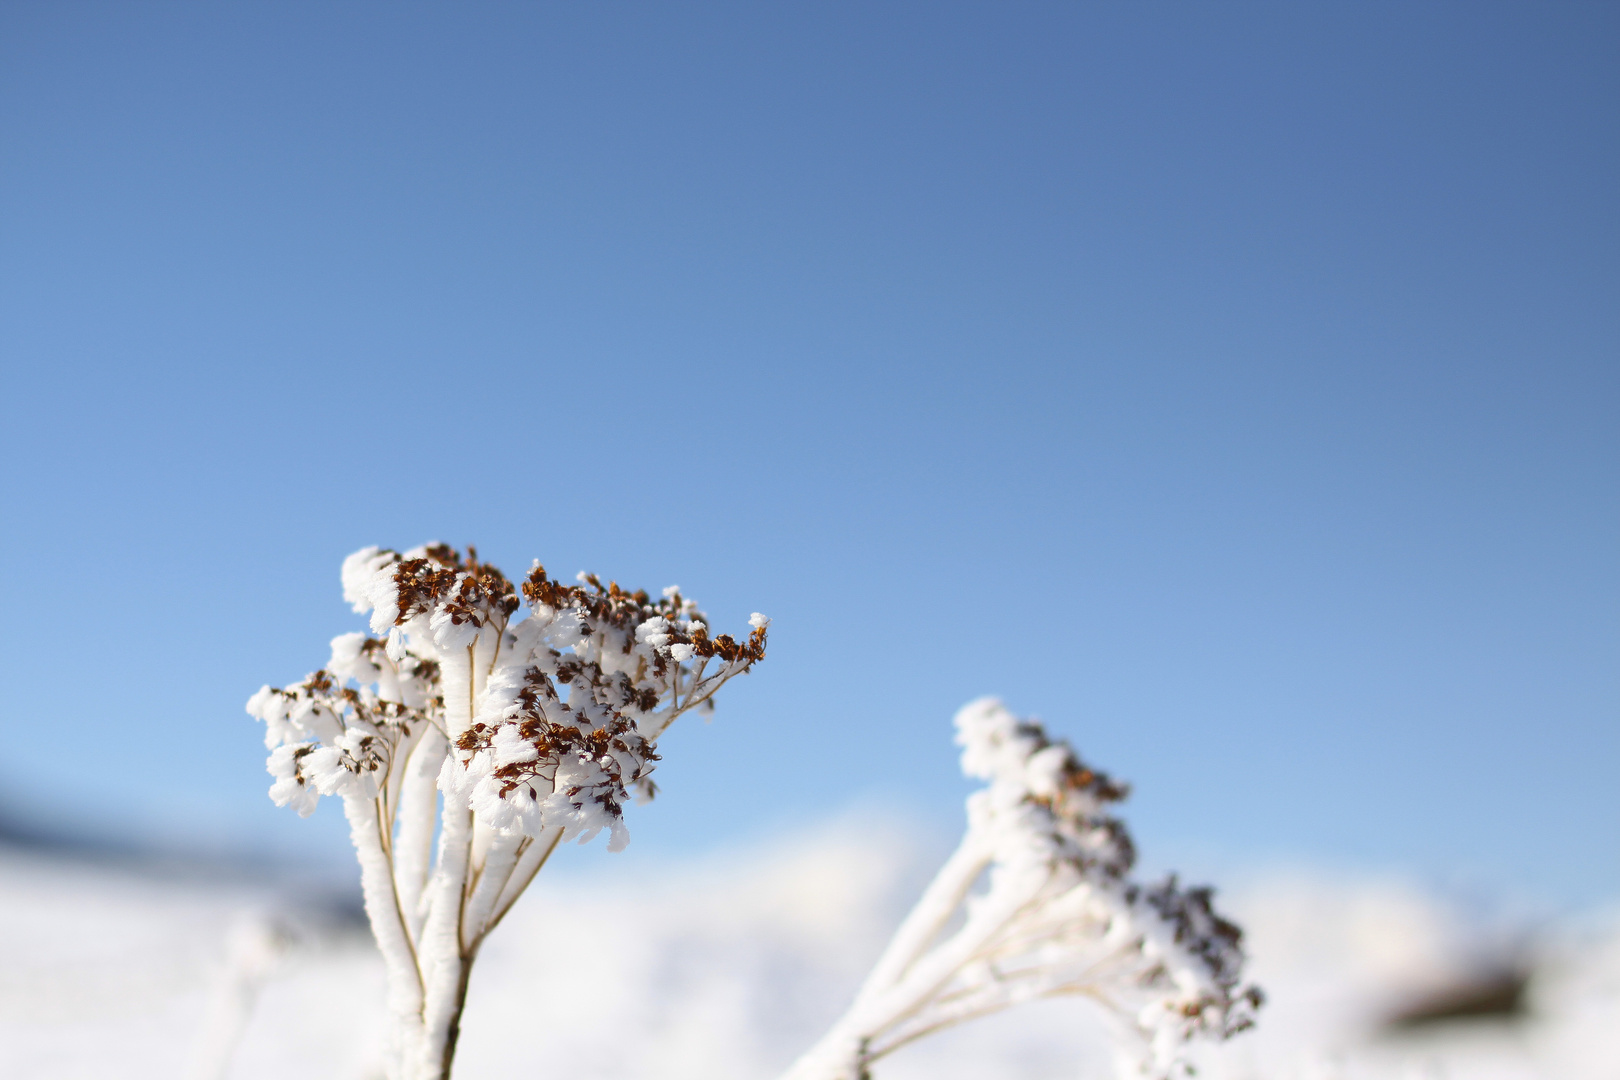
[
  {"x": 724, "y": 967},
  {"x": 1232, "y": 386}
]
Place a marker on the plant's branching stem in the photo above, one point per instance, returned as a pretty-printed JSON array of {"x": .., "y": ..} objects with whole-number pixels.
[
  {"x": 936, "y": 908},
  {"x": 441, "y": 934},
  {"x": 530, "y": 864},
  {"x": 938, "y": 1025},
  {"x": 697, "y": 692},
  {"x": 441, "y": 951},
  {"x": 492, "y": 878},
  {"x": 405, "y": 990},
  {"x": 418, "y": 810}
]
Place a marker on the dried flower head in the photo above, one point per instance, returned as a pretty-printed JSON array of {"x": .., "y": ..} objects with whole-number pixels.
[
  {"x": 532, "y": 726},
  {"x": 1038, "y": 901},
  {"x": 568, "y": 711}
]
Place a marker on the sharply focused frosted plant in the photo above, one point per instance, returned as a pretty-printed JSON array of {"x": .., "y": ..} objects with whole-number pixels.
[
  {"x": 506, "y": 734},
  {"x": 1037, "y": 901}
]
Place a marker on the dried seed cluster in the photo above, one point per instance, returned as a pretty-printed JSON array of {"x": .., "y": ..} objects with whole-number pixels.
[
  {"x": 1173, "y": 965},
  {"x": 340, "y": 730},
  {"x": 562, "y": 709},
  {"x": 1038, "y": 901}
]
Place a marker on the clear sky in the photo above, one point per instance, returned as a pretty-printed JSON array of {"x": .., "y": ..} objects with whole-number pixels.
[{"x": 1234, "y": 387}]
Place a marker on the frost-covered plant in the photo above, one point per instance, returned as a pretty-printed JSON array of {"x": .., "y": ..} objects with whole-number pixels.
[
  {"x": 505, "y": 733},
  {"x": 1038, "y": 901}
]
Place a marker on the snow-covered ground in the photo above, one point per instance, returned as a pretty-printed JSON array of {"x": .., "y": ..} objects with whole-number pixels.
[{"x": 725, "y": 968}]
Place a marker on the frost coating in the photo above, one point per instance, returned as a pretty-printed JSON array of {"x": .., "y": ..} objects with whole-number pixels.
[
  {"x": 1056, "y": 915},
  {"x": 535, "y": 728}
]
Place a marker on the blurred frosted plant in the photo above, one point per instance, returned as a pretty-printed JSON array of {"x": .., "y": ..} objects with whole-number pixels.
[
  {"x": 506, "y": 734},
  {"x": 1037, "y": 901}
]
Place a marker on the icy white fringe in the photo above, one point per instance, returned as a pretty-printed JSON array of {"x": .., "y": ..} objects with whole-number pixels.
[
  {"x": 1037, "y": 902},
  {"x": 510, "y": 734}
]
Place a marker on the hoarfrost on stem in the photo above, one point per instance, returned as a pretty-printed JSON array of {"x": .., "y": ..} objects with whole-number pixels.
[
  {"x": 1038, "y": 901},
  {"x": 509, "y": 733}
]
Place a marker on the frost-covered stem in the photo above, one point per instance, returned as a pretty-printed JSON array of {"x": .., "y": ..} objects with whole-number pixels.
[
  {"x": 935, "y": 968},
  {"x": 528, "y": 865},
  {"x": 394, "y": 783},
  {"x": 929, "y": 918},
  {"x": 499, "y": 862},
  {"x": 913, "y": 973},
  {"x": 442, "y": 960},
  {"x": 482, "y": 837},
  {"x": 912, "y": 1036},
  {"x": 698, "y": 690},
  {"x": 842, "y": 1054},
  {"x": 387, "y": 922},
  {"x": 417, "y": 812}
]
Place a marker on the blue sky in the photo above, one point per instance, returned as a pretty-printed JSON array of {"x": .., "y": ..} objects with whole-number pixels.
[{"x": 1233, "y": 386}]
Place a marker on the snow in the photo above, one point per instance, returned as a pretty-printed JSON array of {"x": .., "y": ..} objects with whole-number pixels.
[{"x": 727, "y": 967}]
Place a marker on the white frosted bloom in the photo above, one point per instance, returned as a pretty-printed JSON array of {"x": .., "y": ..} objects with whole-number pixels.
[
  {"x": 290, "y": 787},
  {"x": 524, "y": 730},
  {"x": 1057, "y": 915},
  {"x": 351, "y": 660}
]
